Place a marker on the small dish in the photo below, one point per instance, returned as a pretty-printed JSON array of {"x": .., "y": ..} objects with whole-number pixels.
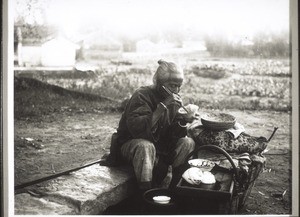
[
  {"x": 161, "y": 199},
  {"x": 182, "y": 111},
  {"x": 203, "y": 164}
]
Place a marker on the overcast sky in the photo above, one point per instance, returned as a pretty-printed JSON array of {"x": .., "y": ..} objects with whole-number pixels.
[{"x": 232, "y": 17}]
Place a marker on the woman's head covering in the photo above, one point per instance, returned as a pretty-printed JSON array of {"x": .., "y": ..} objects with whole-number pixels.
[{"x": 167, "y": 71}]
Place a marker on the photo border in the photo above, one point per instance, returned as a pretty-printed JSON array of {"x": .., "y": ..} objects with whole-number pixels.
[
  {"x": 294, "y": 31},
  {"x": 7, "y": 102}
]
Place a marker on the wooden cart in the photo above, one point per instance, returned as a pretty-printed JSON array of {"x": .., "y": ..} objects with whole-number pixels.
[{"x": 229, "y": 194}]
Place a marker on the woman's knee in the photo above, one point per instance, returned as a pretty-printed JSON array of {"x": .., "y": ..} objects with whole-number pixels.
[
  {"x": 187, "y": 143},
  {"x": 145, "y": 146}
]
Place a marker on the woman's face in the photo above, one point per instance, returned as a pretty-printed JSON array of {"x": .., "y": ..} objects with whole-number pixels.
[
  {"x": 174, "y": 82},
  {"x": 173, "y": 86}
]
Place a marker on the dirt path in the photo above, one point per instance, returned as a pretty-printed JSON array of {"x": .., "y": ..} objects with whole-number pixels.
[
  {"x": 67, "y": 140},
  {"x": 60, "y": 143}
]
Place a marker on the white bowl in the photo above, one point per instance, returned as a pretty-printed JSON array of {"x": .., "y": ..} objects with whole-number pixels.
[
  {"x": 193, "y": 175},
  {"x": 182, "y": 111},
  {"x": 203, "y": 164},
  {"x": 161, "y": 199}
]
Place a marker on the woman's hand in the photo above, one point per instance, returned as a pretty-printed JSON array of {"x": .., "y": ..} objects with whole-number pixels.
[
  {"x": 189, "y": 113},
  {"x": 173, "y": 99},
  {"x": 190, "y": 117}
]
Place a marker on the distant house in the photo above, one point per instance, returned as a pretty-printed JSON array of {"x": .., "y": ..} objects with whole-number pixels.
[
  {"x": 146, "y": 46},
  {"x": 58, "y": 52},
  {"x": 30, "y": 55},
  {"x": 247, "y": 42},
  {"x": 194, "y": 45},
  {"x": 98, "y": 45}
]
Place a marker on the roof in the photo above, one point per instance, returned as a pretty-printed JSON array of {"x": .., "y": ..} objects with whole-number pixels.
[{"x": 61, "y": 41}]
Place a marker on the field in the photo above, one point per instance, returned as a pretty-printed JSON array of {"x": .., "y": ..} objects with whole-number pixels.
[
  {"x": 63, "y": 120},
  {"x": 255, "y": 84}
]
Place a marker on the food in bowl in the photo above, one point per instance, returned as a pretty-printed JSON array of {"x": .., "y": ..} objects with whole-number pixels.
[
  {"x": 190, "y": 108},
  {"x": 203, "y": 164},
  {"x": 193, "y": 175},
  {"x": 208, "y": 180},
  {"x": 219, "y": 117},
  {"x": 218, "y": 121},
  {"x": 182, "y": 111},
  {"x": 161, "y": 199}
]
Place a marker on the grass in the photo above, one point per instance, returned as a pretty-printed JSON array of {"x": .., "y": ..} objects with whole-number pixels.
[
  {"x": 230, "y": 84},
  {"x": 34, "y": 99}
]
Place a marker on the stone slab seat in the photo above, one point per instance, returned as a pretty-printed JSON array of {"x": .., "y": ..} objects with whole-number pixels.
[{"x": 88, "y": 191}]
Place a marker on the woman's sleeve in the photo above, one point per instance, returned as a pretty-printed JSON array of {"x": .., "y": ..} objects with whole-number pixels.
[{"x": 139, "y": 118}]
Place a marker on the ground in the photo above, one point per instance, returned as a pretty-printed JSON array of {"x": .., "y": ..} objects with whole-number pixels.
[{"x": 72, "y": 132}]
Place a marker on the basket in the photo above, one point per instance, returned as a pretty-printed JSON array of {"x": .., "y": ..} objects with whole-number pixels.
[
  {"x": 233, "y": 196},
  {"x": 223, "y": 197},
  {"x": 218, "y": 121}
]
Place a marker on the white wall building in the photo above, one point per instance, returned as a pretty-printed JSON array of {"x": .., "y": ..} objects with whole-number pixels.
[
  {"x": 58, "y": 52},
  {"x": 54, "y": 52}
]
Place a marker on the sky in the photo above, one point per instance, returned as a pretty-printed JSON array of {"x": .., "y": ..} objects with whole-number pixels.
[{"x": 134, "y": 17}]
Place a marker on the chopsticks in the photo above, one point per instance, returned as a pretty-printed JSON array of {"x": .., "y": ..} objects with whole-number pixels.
[{"x": 170, "y": 93}]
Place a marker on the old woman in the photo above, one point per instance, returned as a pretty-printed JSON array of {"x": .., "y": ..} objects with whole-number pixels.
[{"x": 151, "y": 133}]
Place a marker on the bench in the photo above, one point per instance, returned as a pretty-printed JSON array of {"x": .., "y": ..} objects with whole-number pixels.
[{"x": 89, "y": 191}]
